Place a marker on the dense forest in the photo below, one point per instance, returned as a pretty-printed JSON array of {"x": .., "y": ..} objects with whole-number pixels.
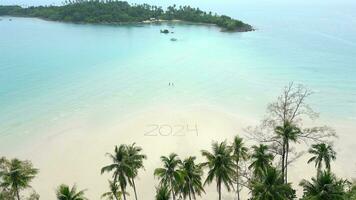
[
  {"x": 261, "y": 169},
  {"x": 111, "y": 11}
]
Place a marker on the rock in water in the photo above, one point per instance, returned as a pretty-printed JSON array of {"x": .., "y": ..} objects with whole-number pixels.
[{"x": 165, "y": 31}]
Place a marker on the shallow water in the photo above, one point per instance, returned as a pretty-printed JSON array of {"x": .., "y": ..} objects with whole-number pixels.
[
  {"x": 53, "y": 73},
  {"x": 52, "y": 70}
]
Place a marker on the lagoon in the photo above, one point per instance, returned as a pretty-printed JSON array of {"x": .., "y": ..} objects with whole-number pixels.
[{"x": 59, "y": 79}]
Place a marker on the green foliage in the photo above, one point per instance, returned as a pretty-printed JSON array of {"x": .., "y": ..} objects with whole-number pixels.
[
  {"x": 126, "y": 161},
  {"x": 351, "y": 193},
  {"x": 135, "y": 161},
  {"x": 33, "y": 196},
  {"x": 170, "y": 175},
  {"x": 286, "y": 134},
  {"x": 325, "y": 187},
  {"x": 114, "y": 192},
  {"x": 16, "y": 175},
  {"x": 191, "y": 184},
  {"x": 121, "y": 167},
  {"x": 322, "y": 153},
  {"x": 221, "y": 166},
  {"x": 270, "y": 186},
  {"x": 162, "y": 193},
  {"x": 64, "y": 192},
  {"x": 95, "y": 11},
  {"x": 183, "y": 179},
  {"x": 240, "y": 153},
  {"x": 261, "y": 159},
  {"x": 6, "y": 195}
]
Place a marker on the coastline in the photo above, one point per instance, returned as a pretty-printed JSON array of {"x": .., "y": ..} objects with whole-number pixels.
[
  {"x": 76, "y": 149},
  {"x": 145, "y": 22}
]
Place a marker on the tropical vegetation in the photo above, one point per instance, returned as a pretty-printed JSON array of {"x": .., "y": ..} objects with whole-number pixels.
[
  {"x": 64, "y": 192},
  {"x": 258, "y": 165},
  {"x": 112, "y": 11},
  {"x": 15, "y": 176}
]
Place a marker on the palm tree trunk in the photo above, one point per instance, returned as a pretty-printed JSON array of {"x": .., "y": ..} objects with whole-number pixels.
[
  {"x": 134, "y": 187},
  {"x": 172, "y": 190},
  {"x": 237, "y": 181},
  {"x": 17, "y": 194},
  {"x": 286, "y": 164},
  {"x": 190, "y": 190},
  {"x": 123, "y": 192},
  {"x": 318, "y": 169},
  {"x": 283, "y": 160},
  {"x": 219, "y": 188}
]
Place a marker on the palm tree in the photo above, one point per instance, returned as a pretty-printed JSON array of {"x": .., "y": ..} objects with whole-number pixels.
[
  {"x": 221, "y": 166},
  {"x": 114, "y": 192},
  {"x": 63, "y": 192},
  {"x": 271, "y": 186},
  {"x": 163, "y": 193},
  {"x": 240, "y": 153},
  {"x": 6, "y": 195},
  {"x": 351, "y": 191},
  {"x": 261, "y": 159},
  {"x": 322, "y": 153},
  {"x": 287, "y": 133},
  {"x": 324, "y": 187},
  {"x": 121, "y": 167},
  {"x": 135, "y": 159},
  {"x": 192, "y": 178},
  {"x": 16, "y": 175},
  {"x": 169, "y": 175}
]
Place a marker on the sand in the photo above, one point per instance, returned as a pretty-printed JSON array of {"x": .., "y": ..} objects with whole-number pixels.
[{"x": 74, "y": 151}]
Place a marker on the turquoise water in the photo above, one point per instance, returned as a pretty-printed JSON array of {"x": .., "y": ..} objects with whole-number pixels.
[{"x": 56, "y": 71}]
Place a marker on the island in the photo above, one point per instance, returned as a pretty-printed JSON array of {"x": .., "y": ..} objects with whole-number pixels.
[{"x": 105, "y": 12}]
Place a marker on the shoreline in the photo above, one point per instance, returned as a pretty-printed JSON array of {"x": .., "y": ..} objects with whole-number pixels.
[
  {"x": 71, "y": 152},
  {"x": 145, "y": 22}
]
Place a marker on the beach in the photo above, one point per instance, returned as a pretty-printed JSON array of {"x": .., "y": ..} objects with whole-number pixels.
[
  {"x": 70, "y": 92},
  {"x": 74, "y": 152}
]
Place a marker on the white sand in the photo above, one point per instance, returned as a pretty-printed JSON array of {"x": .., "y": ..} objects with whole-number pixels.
[{"x": 74, "y": 152}]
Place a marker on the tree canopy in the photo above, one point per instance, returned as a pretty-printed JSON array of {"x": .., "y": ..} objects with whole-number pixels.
[{"x": 112, "y": 11}]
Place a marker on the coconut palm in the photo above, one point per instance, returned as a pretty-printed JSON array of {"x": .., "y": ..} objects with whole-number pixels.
[
  {"x": 261, "y": 159},
  {"x": 163, "y": 193},
  {"x": 322, "y": 153},
  {"x": 169, "y": 175},
  {"x": 6, "y": 195},
  {"x": 63, "y": 192},
  {"x": 135, "y": 160},
  {"x": 121, "y": 167},
  {"x": 351, "y": 192},
  {"x": 324, "y": 187},
  {"x": 114, "y": 193},
  {"x": 191, "y": 184},
  {"x": 271, "y": 186},
  {"x": 221, "y": 166},
  {"x": 16, "y": 175},
  {"x": 240, "y": 153},
  {"x": 286, "y": 133}
]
